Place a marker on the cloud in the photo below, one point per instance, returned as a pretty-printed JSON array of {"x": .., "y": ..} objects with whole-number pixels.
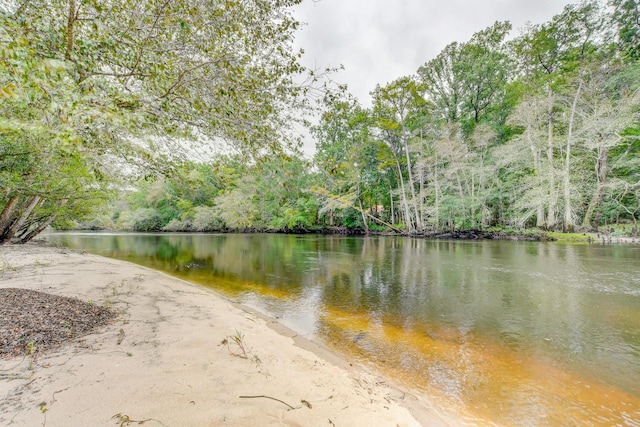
[{"x": 379, "y": 41}]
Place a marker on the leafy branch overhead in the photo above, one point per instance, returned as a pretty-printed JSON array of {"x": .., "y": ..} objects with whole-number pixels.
[{"x": 89, "y": 88}]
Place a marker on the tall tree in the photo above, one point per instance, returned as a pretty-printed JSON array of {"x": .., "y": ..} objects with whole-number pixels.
[
  {"x": 524, "y": 157},
  {"x": 626, "y": 20},
  {"x": 444, "y": 86},
  {"x": 348, "y": 159},
  {"x": 466, "y": 81},
  {"x": 609, "y": 109},
  {"x": 396, "y": 106},
  {"x": 582, "y": 24},
  {"x": 545, "y": 54}
]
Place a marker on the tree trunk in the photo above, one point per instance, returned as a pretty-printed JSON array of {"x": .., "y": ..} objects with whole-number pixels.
[
  {"x": 537, "y": 167},
  {"x": 15, "y": 227},
  {"x": 595, "y": 204},
  {"x": 551, "y": 208},
  {"x": 437, "y": 190},
  {"x": 8, "y": 216},
  {"x": 27, "y": 235},
  {"x": 364, "y": 217},
  {"x": 71, "y": 20},
  {"x": 362, "y": 212},
  {"x": 405, "y": 203},
  {"x": 39, "y": 229},
  {"x": 602, "y": 166},
  {"x": 567, "y": 224},
  {"x": 411, "y": 182},
  {"x": 596, "y": 221},
  {"x": 391, "y": 199},
  {"x": 586, "y": 221},
  {"x": 421, "y": 192}
]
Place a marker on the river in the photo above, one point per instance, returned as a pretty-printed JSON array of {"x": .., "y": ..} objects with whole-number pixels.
[{"x": 503, "y": 332}]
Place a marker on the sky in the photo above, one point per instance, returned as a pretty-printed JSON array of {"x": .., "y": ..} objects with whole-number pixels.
[{"x": 378, "y": 41}]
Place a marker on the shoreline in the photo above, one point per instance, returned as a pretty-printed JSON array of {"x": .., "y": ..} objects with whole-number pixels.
[
  {"x": 180, "y": 354},
  {"x": 582, "y": 237}
]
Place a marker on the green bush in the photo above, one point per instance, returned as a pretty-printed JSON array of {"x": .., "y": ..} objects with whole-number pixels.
[
  {"x": 147, "y": 219},
  {"x": 206, "y": 218},
  {"x": 178, "y": 225}
]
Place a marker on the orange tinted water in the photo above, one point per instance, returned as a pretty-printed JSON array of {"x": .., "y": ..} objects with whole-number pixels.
[{"x": 485, "y": 381}]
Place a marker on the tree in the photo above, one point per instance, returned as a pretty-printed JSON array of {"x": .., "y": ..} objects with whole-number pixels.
[
  {"x": 611, "y": 100},
  {"x": 396, "y": 106},
  {"x": 626, "y": 20},
  {"x": 555, "y": 55},
  {"x": 137, "y": 81},
  {"x": 348, "y": 157},
  {"x": 466, "y": 81},
  {"x": 444, "y": 86},
  {"x": 283, "y": 199},
  {"x": 527, "y": 173},
  {"x": 582, "y": 24}
]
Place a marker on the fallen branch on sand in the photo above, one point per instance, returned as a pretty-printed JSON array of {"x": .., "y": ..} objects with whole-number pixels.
[{"x": 267, "y": 397}]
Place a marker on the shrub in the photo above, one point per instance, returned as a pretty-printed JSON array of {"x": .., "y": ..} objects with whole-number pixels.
[
  {"x": 146, "y": 219},
  {"x": 178, "y": 225},
  {"x": 206, "y": 218}
]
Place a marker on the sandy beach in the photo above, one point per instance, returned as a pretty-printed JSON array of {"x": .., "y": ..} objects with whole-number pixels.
[{"x": 178, "y": 354}]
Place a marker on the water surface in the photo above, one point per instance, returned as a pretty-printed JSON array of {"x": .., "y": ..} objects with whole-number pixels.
[{"x": 513, "y": 333}]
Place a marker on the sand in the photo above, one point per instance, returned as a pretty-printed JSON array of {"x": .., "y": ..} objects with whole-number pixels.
[{"x": 171, "y": 358}]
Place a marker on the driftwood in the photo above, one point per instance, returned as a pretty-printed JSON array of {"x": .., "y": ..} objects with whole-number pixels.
[{"x": 267, "y": 397}]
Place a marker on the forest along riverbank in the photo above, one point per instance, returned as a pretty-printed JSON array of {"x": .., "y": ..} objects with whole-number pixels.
[{"x": 180, "y": 354}]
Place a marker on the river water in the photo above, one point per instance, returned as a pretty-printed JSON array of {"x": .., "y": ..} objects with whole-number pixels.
[{"x": 503, "y": 332}]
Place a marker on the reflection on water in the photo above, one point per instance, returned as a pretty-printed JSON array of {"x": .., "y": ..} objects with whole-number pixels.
[{"x": 509, "y": 332}]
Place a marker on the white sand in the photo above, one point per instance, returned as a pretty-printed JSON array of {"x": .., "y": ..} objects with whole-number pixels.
[{"x": 162, "y": 362}]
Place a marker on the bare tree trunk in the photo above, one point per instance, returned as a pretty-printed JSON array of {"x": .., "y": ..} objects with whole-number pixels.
[
  {"x": 362, "y": 212},
  {"x": 537, "y": 167},
  {"x": 596, "y": 221},
  {"x": 27, "y": 234},
  {"x": 364, "y": 217},
  {"x": 391, "y": 199},
  {"x": 586, "y": 221},
  {"x": 437, "y": 190},
  {"x": 71, "y": 20},
  {"x": 411, "y": 181},
  {"x": 421, "y": 192},
  {"x": 462, "y": 198},
  {"x": 551, "y": 209},
  {"x": 407, "y": 211},
  {"x": 601, "y": 167},
  {"x": 567, "y": 224}
]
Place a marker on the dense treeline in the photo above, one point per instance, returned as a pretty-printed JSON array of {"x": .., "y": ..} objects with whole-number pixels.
[
  {"x": 228, "y": 194},
  {"x": 537, "y": 130},
  {"x": 541, "y": 130}
]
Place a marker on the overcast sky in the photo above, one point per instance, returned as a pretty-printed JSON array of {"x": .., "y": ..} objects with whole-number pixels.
[{"x": 378, "y": 41}]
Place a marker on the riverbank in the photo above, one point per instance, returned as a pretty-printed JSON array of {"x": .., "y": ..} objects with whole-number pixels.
[
  {"x": 532, "y": 234},
  {"x": 178, "y": 354}
]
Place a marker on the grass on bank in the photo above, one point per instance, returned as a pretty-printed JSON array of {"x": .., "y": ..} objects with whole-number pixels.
[{"x": 569, "y": 237}]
